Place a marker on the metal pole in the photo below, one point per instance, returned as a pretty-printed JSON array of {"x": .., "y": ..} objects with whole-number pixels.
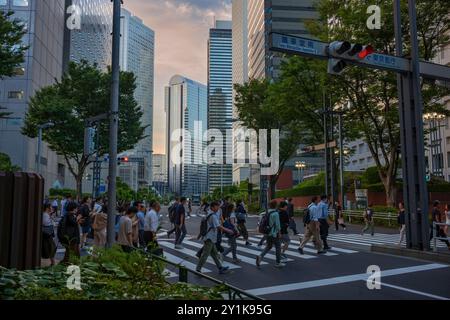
[
  {"x": 114, "y": 122},
  {"x": 325, "y": 126},
  {"x": 434, "y": 237},
  {"x": 341, "y": 159},
  {"x": 38, "y": 162},
  {"x": 332, "y": 162}
]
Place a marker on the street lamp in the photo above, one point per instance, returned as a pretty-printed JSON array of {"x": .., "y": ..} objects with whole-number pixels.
[
  {"x": 40, "y": 128},
  {"x": 300, "y": 165},
  {"x": 434, "y": 121}
]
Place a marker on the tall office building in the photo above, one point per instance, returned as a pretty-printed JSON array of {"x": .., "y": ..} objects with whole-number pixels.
[
  {"x": 93, "y": 41},
  {"x": 281, "y": 16},
  {"x": 186, "y": 105},
  {"x": 220, "y": 96},
  {"x": 241, "y": 171},
  {"x": 45, "y": 23},
  {"x": 160, "y": 173},
  {"x": 137, "y": 56}
]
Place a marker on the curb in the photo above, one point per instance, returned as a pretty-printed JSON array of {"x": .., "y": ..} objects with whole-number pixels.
[{"x": 404, "y": 252}]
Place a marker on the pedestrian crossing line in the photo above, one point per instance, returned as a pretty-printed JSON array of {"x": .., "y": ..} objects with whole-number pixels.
[
  {"x": 257, "y": 253},
  {"x": 192, "y": 254},
  {"x": 298, "y": 255},
  {"x": 245, "y": 259},
  {"x": 310, "y": 245},
  {"x": 174, "y": 259},
  {"x": 369, "y": 240}
]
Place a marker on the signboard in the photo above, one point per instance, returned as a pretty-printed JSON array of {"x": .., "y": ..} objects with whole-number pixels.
[
  {"x": 362, "y": 198},
  {"x": 331, "y": 144},
  {"x": 102, "y": 189},
  {"x": 298, "y": 45}
]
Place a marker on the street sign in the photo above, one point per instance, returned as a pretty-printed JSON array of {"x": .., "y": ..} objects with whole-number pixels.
[
  {"x": 102, "y": 189},
  {"x": 317, "y": 49},
  {"x": 319, "y": 147}
]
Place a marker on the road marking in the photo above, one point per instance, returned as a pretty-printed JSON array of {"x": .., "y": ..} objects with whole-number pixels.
[
  {"x": 296, "y": 242},
  {"x": 341, "y": 280},
  {"x": 192, "y": 253},
  {"x": 429, "y": 295},
  {"x": 298, "y": 255},
  {"x": 174, "y": 259},
  {"x": 257, "y": 253},
  {"x": 170, "y": 274},
  {"x": 241, "y": 257}
]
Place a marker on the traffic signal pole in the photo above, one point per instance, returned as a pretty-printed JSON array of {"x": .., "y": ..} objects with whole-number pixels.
[
  {"x": 114, "y": 123},
  {"x": 339, "y": 55}
]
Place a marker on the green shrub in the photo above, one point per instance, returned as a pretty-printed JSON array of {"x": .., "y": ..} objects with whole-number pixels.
[{"x": 107, "y": 275}]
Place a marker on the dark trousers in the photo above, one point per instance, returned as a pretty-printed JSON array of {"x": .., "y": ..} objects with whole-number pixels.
[
  {"x": 141, "y": 239},
  {"x": 171, "y": 231},
  {"x": 71, "y": 249},
  {"x": 293, "y": 226},
  {"x": 180, "y": 233},
  {"x": 150, "y": 238},
  {"x": 324, "y": 227},
  {"x": 243, "y": 230},
  {"x": 271, "y": 242}
]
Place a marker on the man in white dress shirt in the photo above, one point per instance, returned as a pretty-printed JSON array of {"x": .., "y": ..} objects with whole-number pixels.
[{"x": 151, "y": 224}]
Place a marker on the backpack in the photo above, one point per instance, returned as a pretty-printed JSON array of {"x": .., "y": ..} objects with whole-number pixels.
[
  {"x": 306, "y": 217},
  {"x": 264, "y": 225},
  {"x": 204, "y": 227},
  {"x": 172, "y": 211}
]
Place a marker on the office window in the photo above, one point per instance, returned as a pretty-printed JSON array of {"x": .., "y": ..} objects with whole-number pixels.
[
  {"x": 3, "y": 3},
  {"x": 448, "y": 140},
  {"x": 16, "y": 95},
  {"x": 20, "y": 3}
]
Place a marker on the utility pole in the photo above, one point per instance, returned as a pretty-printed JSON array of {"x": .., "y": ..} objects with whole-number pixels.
[
  {"x": 341, "y": 159},
  {"x": 114, "y": 122},
  {"x": 412, "y": 147}
]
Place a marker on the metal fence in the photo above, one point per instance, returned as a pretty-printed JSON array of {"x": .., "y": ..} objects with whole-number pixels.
[
  {"x": 232, "y": 292},
  {"x": 436, "y": 236}
]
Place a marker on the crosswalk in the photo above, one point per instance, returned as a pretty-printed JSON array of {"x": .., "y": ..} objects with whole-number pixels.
[
  {"x": 187, "y": 256},
  {"x": 367, "y": 240}
]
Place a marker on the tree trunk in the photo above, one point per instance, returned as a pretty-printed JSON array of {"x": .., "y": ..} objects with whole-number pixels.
[
  {"x": 79, "y": 181},
  {"x": 391, "y": 191}
]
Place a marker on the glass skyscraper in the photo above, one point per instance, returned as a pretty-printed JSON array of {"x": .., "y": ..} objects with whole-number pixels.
[
  {"x": 186, "y": 104},
  {"x": 137, "y": 56},
  {"x": 93, "y": 42},
  {"x": 220, "y": 98}
]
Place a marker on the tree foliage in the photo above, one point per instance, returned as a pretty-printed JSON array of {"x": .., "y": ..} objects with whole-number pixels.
[
  {"x": 83, "y": 92},
  {"x": 6, "y": 165},
  {"x": 374, "y": 115}
]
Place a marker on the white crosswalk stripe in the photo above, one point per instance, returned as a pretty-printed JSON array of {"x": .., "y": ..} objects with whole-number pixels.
[
  {"x": 367, "y": 240},
  {"x": 174, "y": 259},
  {"x": 242, "y": 258},
  {"x": 192, "y": 253},
  {"x": 298, "y": 255}
]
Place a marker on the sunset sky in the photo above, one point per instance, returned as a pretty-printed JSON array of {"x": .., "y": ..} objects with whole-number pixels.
[{"x": 181, "y": 30}]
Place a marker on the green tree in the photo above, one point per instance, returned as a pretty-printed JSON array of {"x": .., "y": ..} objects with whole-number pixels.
[
  {"x": 263, "y": 105},
  {"x": 6, "y": 165},
  {"x": 374, "y": 115},
  {"x": 12, "y": 51},
  {"x": 83, "y": 92}
]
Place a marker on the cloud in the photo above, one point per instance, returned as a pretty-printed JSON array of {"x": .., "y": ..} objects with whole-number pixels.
[{"x": 181, "y": 31}]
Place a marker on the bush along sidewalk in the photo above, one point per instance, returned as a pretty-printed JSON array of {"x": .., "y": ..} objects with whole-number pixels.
[{"x": 106, "y": 275}]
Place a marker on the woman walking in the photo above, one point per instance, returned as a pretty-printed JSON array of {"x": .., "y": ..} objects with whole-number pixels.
[
  {"x": 230, "y": 223},
  {"x": 241, "y": 218},
  {"x": 48, "y": 234},
  {"x": 99, "y": 225},
  {"x": 401, "y": 221}
]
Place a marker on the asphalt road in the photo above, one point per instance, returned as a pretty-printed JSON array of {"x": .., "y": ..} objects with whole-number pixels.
[{"x": 341, "y": 274}]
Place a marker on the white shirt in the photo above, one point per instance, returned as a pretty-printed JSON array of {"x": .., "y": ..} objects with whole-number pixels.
[
  {"x": 151, "y": 221},
  {"x": 97, "y": 208},
  {"x": 55, "y": 203},
  {"x": 46, "y": 220}
]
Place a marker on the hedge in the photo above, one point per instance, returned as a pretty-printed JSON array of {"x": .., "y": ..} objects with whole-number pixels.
[{"x": 301, "y": 192}]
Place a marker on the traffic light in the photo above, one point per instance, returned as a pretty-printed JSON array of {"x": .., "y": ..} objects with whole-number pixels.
[
  {"x": 121, "y": 160},
  {"x": 340, "y": 51}
]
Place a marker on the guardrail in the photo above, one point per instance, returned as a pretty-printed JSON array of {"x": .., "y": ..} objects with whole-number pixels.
[
  {"x": 389, "y": 216},
  {"x": 435, "y": 236},
  {"x": 233, "y": 292}
]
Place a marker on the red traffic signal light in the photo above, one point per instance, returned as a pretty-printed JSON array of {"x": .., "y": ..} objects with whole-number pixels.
[{"x": 368, "y": 50}]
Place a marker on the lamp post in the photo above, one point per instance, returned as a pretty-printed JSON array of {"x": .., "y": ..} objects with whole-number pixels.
[
  {"x": 300, "y": 165},
  {"x": 40, "y": 129},
  {"x": 434, "y": 122}
]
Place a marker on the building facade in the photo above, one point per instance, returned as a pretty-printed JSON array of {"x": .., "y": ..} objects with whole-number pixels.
[
  {"x": 220, "y": 97},
  {"x": 43, "y": 64},
  {"x": 137, "y": 55},
  {"x": 93, "y": 41},
  {"x": 186, "y": 105},
  {"x": 160, "y": 173},
  {"x": 280, "y": 16}
]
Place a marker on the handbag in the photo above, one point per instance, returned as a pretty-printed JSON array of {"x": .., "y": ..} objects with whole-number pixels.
[{"x": 49, "y": 231}]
